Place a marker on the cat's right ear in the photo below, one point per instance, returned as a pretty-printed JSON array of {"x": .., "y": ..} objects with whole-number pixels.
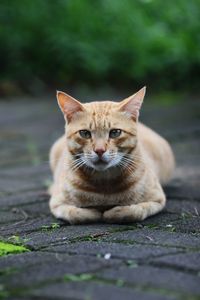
[
  {"x": 131, "y": 106},
  {"x": 68, "y": 105}
]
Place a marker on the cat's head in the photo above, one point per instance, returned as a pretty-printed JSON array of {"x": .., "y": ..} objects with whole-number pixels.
[{"x": 101, "y": 135}]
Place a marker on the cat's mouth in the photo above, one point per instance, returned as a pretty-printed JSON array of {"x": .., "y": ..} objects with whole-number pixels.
[
  {"x": 101, "y": 162},
  {"x": 100, "y": 165}
]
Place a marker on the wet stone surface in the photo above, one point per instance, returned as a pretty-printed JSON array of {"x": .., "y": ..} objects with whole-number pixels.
[{"x": 155, "y": 259}]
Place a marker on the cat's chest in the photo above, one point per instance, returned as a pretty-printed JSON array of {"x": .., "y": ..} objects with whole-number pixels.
[
  {"x": 102, "y": 201},
  {"x": 104, "y": 193}
]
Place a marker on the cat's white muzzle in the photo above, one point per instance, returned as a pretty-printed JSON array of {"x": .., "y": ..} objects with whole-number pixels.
[{"x": 106, "y": 161}]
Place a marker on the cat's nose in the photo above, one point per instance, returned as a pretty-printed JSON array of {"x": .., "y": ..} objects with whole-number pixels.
[{"x": 100, "y": 152}]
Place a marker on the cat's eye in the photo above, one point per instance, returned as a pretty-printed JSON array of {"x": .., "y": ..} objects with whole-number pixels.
[
  {"x": 114, "y": 133},
  {"x": 86, "y": 134}
]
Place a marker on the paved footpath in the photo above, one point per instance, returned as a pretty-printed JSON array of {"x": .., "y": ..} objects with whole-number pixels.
[{"x": 156, "y": 259}]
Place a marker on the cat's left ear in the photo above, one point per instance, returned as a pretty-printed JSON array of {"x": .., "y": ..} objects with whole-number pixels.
[
  {"x": 68, "y": 105},
  {"x": 131, "y": 106}
]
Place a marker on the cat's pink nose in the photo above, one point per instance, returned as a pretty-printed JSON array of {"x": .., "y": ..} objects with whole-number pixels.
[{"x": 100, "y": 152}]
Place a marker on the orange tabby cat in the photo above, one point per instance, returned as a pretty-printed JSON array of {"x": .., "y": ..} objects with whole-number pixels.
[{"x": 108, "y": 166}]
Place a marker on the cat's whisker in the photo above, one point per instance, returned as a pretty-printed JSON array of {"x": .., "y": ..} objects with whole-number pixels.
[
  {"x": 131, "y": 162},
  {"x": 76, "y": 167},
  {"x": 128, "y": 163},
  {"x": 75, "y": 163},
  {"x": 126, "y": 168}
]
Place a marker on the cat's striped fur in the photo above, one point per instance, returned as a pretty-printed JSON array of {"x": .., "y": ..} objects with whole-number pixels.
[{"x": 126, "y": 186}]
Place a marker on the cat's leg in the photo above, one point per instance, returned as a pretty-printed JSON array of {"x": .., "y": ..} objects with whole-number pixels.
[
  {"x": 136, "y": 212},
  {"x": 73, "y": 214}
]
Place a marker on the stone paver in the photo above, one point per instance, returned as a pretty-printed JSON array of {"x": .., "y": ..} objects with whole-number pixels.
[{"x": 155, "y": 259}]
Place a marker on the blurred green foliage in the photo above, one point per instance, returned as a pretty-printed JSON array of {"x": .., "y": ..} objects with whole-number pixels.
[{"x": 120, "y": 41}]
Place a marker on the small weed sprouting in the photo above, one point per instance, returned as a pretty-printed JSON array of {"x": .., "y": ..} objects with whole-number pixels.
[
  {"x": 120, "y": 283},
  {"x": 18, "y": 240},
  {"x": 151, "y": 226},
  {"x": 50, "y": 227},
  {"x": 99, "y": 255},
  {"x": 78, "y": 277},
  {"x": 131, "y": 264},
  {"x": 55, "y": 225}
]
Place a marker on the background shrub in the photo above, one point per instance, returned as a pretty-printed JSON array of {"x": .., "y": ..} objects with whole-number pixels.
[{"x": 116, "y": 41}]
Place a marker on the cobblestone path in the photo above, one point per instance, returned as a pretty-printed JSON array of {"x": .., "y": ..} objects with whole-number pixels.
[{"x": 156, "y": 259}]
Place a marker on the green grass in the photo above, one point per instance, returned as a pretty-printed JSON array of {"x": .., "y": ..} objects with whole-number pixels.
[{"x": 7, "y": 248}]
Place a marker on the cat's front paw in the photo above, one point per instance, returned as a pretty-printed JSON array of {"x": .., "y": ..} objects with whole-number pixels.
[
  {"x": 84, "y": 216},
  {"x": 115, "y": 215},
  {"x": 124, "y": 214},
  {"x": 76, "y": 215}
]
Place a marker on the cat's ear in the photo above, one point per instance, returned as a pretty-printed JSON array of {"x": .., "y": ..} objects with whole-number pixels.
[
  {"x": 131, "y": 106},
  {"x": 68, "y": 105}
]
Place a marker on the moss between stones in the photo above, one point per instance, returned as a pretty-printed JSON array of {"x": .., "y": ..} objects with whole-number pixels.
[
  {"x": 3, "y": 293},
  {"x": 89, "y": 277},
  {"x": 7, "y": 271},
  {"x": 79, "y": 277},
  {"x": 92, "y": 277},
  {"x": 7, "y": 248}
]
